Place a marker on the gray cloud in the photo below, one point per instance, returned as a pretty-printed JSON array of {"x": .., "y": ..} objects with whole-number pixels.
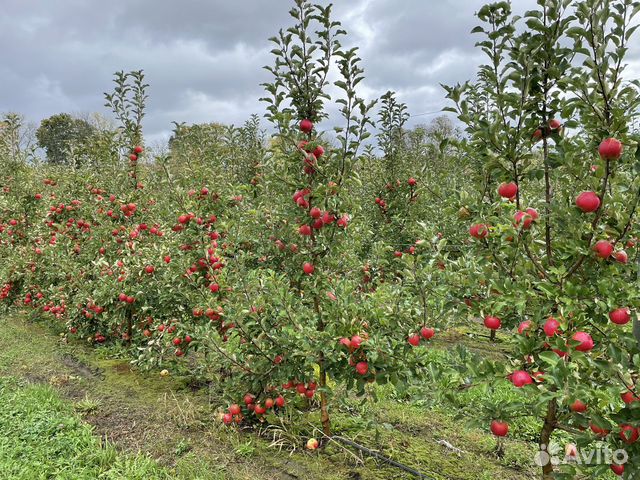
[{"x": 204, "y": 58}]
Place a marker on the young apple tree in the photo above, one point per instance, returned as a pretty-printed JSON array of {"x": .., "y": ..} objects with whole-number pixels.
[{"x": 549, "y": 117}]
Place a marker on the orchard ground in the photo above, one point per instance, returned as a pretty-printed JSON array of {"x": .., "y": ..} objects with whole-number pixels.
[{"x": 143, "y": 427}]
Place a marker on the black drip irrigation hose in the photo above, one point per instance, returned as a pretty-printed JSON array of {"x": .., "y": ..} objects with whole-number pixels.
[{"x": 380, "y": 457}]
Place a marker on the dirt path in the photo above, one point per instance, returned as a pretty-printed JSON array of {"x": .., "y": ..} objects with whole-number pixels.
[{"x": 143, "y": 413}]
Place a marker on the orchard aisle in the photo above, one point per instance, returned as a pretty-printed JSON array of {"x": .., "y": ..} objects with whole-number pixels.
[
  {"x": 52, "y": 384},
  {"x": 162, "y": 428}
]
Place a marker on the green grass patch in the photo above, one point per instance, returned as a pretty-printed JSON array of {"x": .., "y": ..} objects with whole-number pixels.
[{"x": 43, "y": 438}]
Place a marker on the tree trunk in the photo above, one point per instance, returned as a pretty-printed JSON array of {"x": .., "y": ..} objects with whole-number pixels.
[
  {"x": 322, "y": 381},
  {"x": 324, "y": 404},
  {"x": 129, "y": 327},
  {"x": 545, "y": 437}
]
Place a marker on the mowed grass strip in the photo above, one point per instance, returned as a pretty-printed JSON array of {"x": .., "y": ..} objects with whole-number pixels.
[{"x": 42, "y": 438}]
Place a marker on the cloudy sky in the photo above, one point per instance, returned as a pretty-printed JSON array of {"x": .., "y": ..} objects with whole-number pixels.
[{"x": 204, "y": 58}]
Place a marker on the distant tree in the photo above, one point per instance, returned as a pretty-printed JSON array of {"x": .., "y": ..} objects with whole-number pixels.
[
  {"x": 17, "y": 137},
  {"x": 203, "y": 142},
  {"x": 237, "y": 151},
  {"x": 59, "y": 135},
  {"x": 392, "y": 117}
]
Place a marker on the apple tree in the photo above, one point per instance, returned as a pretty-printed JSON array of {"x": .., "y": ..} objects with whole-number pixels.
[{"x": 555, "y": 224}]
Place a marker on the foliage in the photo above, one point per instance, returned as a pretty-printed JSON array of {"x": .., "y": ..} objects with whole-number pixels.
[
  {"x": 63, "y": 138},
  {"x": 540, "y": 263}
]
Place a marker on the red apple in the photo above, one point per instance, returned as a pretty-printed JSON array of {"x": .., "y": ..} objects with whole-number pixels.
[
  {"x": 304, "y": 230},
  {"x": 551, "y": 327},
  {"x": 414, "y": 340},
  {"x": 620, "y": 316},
  {"x": 499, "y": 429},
  {"x": 520, "y": 378},
  {"x": 308, "y": 268},
  {"x": 555, "y": 124},
  {"x": 235, "y": 409},
  {"x": 492, "y": 323},
  {"x": 479, "y": 230},
  {"x": 306, "y": 126},
  {"x": 526, "y": 218},
  {"x": 600, "y": 432},
  {"x": 628, "y": 397},
  {"x": 617, "y": 469},
  {"x": 412, "y": 182},
  {"x": 427, "y": 333},
  {"x": 603, "y": 249},
  {"x": 628, "y": 434},
  {"x": 526, "y": 325},
  {"x": 588, "y": 202},
  {"x": 586, "y": 342},
  {"x": 508, "y": 190},
  {"x": 537, "y": 135},
  {"x": 318, "y": 152},
  {"x": 621, "y": 256},
  {"x": 610, "y": 149},
  {"x": 362, "y": 368},
  {"x": 578, "y": 407}
]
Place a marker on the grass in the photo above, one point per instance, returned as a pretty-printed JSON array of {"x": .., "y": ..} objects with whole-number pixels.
[
  {"x": 43, "y": 438},
  {"x": 65, "y": 397}
]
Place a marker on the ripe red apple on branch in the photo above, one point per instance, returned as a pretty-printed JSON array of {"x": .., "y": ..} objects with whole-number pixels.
[
  {"x": 620, "y": 316},
  {"x": 520, "y": 378},
  {"x": 578, "y": 406},
  {"x": 306, "y": 126},
  {"x": 603, "y": 249},
  {"x": 479, "y": 230},
  {"x": 588, "y": 202},
  {"x": 492, "y": 323},
  {"x": 610, "y": 149},
  {"x": 499, "y": 428},
  {"x": 508, "y": 190}
]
